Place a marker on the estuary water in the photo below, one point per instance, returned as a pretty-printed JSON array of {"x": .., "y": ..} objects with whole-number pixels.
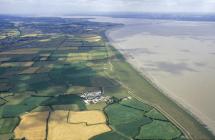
[{"x": 178, "y": 56}]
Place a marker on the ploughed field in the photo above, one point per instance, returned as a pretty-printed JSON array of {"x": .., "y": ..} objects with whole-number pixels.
[{"x": 46, "y": 66}]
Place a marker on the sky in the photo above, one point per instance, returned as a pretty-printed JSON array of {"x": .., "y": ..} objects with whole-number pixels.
[{"x": 66, "y": 7}]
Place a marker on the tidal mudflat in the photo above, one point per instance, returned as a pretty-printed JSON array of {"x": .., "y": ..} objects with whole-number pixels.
[{"x": 178, "y": 56}]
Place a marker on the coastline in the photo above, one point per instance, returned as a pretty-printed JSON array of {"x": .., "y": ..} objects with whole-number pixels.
[{"x": 186, "y": 109}]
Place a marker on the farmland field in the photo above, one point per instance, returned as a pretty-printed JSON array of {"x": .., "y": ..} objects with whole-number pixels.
[
  {"x": 158, "y": 130},
  {"x": 79, "y": 127},
  {"x": 32, "y": 126},
  {"x": 109, "y": 135},
  {"x": 7, "y": 125},
  {"x": 47, "y": 67},
  {"x": 88, "y": 117}
]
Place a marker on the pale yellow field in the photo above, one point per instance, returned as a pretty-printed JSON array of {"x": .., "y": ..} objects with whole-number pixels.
[
  {"x": 78, "y": 57},
  {"x": 58, "y": 117},
  {"x": 82, "y": 56},
  {"x": 32, "y": 126},
  {"x": 89, "y": 117},
  {"x": 68, "y": 48},
  {"x": 76, "y": 131},
  {"x": 2, "y": 36},
  {"x": 6, "y": 94},
  {"x": 22, "y": 51},
  {"x": 31, "y": 35},
  {"x": 9, "y": 33},
  {"x": 60, "y": 129},
  {"x": 44, "y": 40},
  {"x": 44, "y": 56},
  {"x": 30, "y": 70},
  {"x": 44, "y": 69},
  {"x": 92, "y": 38},
  {"x": 15, "y": 64},
  {"x": 13, "y": 33}
]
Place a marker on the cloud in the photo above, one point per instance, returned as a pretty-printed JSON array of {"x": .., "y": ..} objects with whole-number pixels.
[{"x": 39, "y": 7}]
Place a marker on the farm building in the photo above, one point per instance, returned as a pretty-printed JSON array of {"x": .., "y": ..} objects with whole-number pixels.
[{"x": 93, "y": 97}]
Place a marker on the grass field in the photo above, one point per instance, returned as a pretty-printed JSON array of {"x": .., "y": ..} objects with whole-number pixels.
[
  {"x": 7, "y": 125},
  {"x": 6, "y": 136},
  {"x": 158, "y": 130},
  {"x": 71, "y": 107},
  {"x": 109, "y": 136},
  {"x": 118, "y": 114},
  {"x": 97, "y": 106},
  {"x": 75, "y": 90},
  {"x": 30, "y": 70},
  {"x": 126, "y": 120},
  {"x": 66, "y": 100},
  {"x": 41, "y": 109},
  {"x": 154, "y": 114},
  {"x": 133, "y": 103},
  {"x": 25, "y": 106},
  {"x": 2, "y": 102},
  {"x": 131, "y": 129},
  {"x": 15, "y": 99}
]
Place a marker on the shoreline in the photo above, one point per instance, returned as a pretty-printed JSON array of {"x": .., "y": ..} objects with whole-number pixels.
[{"x": 186, "y": 108}]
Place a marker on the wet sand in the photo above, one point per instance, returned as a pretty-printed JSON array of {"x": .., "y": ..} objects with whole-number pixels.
[{"x": 178, "y": 56}]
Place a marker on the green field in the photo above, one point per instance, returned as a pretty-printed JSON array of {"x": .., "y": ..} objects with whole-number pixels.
[
  {"x": 133, "y": 103},
  {"x": 7, "y": 125},
  {"x": 118, "y": 114},
  {"x": 131, "y": 129},
  {"x": 6, "y": 136},
  {"x": 65, "y": 100},
  {"x": 25, "y": 106},
  {"x": 110, "y": 136},
  {"x": 154, "y": 114},
  {"x": 158, "y": 130},
  {"x": 2, "y": 102}
]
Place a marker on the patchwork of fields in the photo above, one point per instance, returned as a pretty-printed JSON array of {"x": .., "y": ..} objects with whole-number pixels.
[{"x": 46, "y": 64}]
